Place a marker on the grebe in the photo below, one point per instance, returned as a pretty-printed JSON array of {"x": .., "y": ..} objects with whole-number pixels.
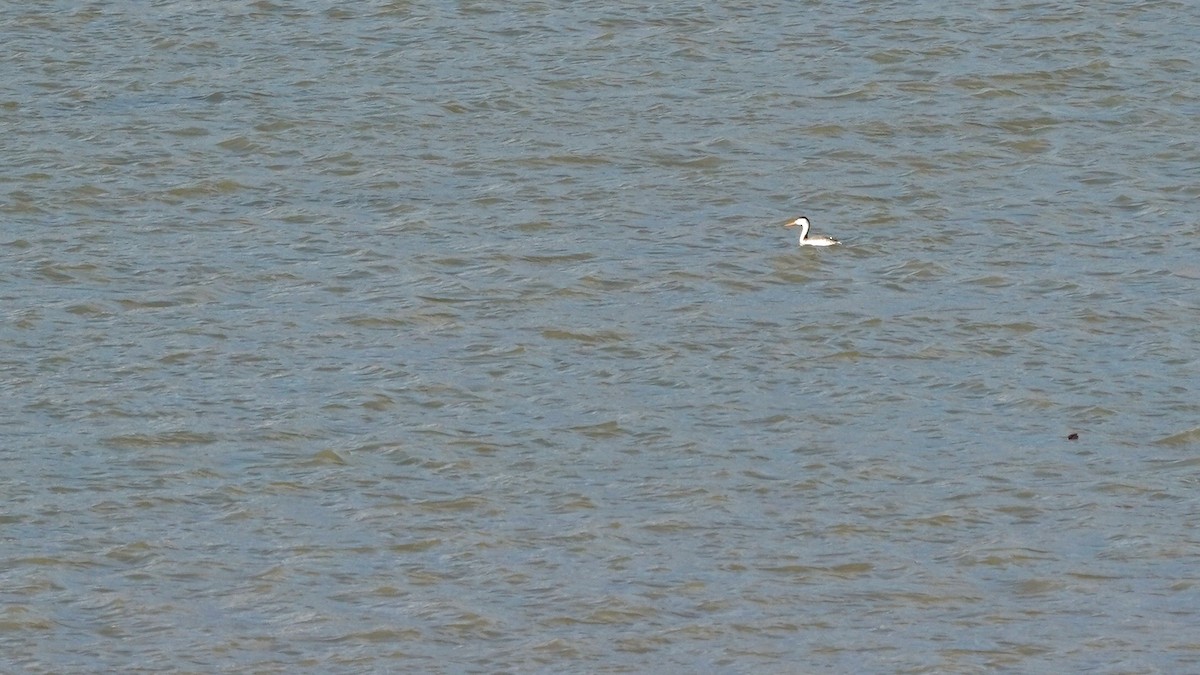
[{"x": 805, "y": 240}]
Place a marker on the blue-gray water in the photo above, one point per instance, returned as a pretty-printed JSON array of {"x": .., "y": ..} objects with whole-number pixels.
[{"x": 464, "y": 337}]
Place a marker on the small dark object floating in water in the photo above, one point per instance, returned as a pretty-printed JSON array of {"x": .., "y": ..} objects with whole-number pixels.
[{"x": 1073, "y": 437}]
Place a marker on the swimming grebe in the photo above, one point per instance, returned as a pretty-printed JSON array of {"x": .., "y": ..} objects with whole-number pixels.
[{"x": 805, "y": 240}]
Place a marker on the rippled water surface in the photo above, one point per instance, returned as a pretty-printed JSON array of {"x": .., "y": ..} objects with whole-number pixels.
[{"x": 464, "y": 337}]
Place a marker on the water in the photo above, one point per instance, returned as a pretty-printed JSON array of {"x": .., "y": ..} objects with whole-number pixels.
[{"x": 465, "y": 337}]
